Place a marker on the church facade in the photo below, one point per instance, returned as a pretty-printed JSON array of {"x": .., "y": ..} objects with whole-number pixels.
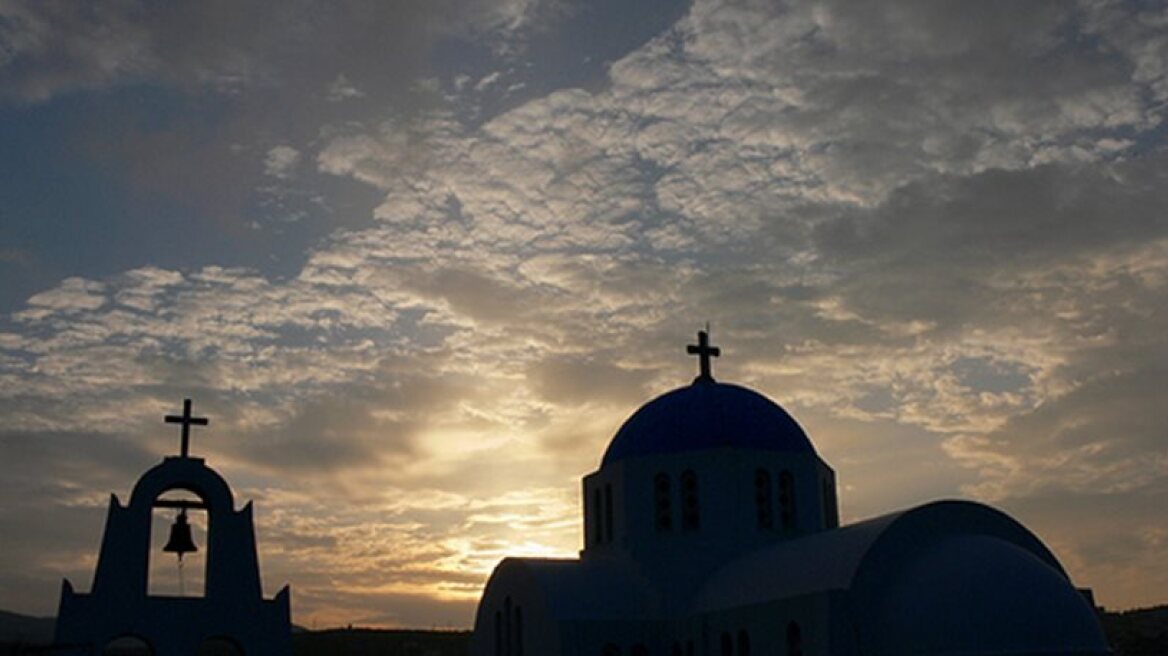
[
  {"x": 712, "y": 529},
  {"x": 120, "y": 617}
]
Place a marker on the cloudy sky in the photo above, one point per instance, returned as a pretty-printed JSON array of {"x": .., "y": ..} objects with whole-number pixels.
[{"x": 418, "y": 260}]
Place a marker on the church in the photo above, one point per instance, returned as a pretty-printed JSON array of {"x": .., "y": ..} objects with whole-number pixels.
[{"x": 712, "y": 528}]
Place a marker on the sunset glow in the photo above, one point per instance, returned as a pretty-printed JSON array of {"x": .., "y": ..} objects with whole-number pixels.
[{"x": 419, "y": 261}]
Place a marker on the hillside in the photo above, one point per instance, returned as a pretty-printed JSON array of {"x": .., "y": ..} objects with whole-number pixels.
[
  {"x": 1142, "y": 632},
  {"x": 372, "y": 642},
  {"x": 23, "y": 629}
]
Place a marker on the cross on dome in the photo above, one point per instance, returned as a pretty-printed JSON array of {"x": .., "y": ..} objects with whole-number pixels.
[
  {"x": 704, "y": 352},
  {"x": 187, "y": 421}
]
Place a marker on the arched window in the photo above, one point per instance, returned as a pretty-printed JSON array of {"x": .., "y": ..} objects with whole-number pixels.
[
  {"x": 498, "y": 633},
  {"x": 597, "y": 517},
  {"x": 589, "y": 520},
  {"x": 830, "y": 510},
  {"x": 509, "y": 629},
  {"x": 794, "y": 640},
  {"x": 787, "y": 500},
  {"x": 608, "y": 533},
  {"x": 219, "y": 646},
  {"x": 743, "y": 643},
  {"x": 517, "y": 633},
  {"x": 691, "y": 519},
  {"x": 662, "y": 502},
  {"x": 727, "y": 644},
  {"x": 507, "y": 621},
  {"x": 127, "y": 645},
  {"x": 764, "y": 499}
]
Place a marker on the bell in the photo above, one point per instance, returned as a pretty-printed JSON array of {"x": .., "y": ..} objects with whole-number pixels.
[{"x": 180, "y": 541}]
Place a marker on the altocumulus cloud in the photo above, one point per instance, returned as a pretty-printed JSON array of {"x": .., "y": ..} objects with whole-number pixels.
[{"x": 932, "y": 229}]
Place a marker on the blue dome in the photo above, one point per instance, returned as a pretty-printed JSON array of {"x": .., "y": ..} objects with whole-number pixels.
[{"x": 707, "y": 415}]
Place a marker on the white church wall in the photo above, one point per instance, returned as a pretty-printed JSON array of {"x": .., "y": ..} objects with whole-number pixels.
[
  {"x": 605, "y": 509},
  {"x": 677, "y": 551},
  {"x": 727, "y": 511},
  {"x": 768, "y": 628},
  {"x": 554, "y": 595},
  {"x": 685, "y": 635},
  {"x": 513, "y": 617},
  {"x": 614, "y": 638},
  {"x": 829, "y": 496}
]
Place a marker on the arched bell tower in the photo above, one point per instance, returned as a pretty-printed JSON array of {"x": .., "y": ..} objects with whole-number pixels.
[{"x": 231, "y": 612}]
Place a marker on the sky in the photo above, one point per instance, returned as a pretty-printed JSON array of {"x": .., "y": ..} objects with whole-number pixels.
[{"x": 418, "y": 260}]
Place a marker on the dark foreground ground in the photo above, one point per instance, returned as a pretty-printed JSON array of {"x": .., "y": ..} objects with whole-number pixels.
[
  {"x": 371, "y": 642},
  {"x": 1142, "y": 632}
]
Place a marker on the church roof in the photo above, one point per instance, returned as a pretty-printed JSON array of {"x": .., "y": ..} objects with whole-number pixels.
[
  {"x": 707, "y": 415},
  {"x": 835, "y": 560},
  {"x": 949, "y": 576},
  {"x": 578, "y": 589}
]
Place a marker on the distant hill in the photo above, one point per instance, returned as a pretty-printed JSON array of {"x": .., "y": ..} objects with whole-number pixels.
[
  {"x": 1142, "y": 632},
  {"x": 21, "y": 635},
  {"x": 22, "y": 629},
  {"x": 374, "y": 642}
]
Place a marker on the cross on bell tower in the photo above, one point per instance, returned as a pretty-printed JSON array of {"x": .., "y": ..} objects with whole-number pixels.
[
  {"x": 187, "y": 421},
  {"x": 704, "y": 352}
]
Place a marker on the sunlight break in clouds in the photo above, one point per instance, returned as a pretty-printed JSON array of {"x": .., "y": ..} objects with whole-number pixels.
[{"x": 933, "y": 231}]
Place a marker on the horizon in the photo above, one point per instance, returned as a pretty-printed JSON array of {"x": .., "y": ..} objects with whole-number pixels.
[{"x": 417, "y": 263}]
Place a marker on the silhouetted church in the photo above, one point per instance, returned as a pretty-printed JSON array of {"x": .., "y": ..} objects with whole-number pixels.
[
  {"x": 712, "y": 528},
  {"x": 120, "y": 617}
]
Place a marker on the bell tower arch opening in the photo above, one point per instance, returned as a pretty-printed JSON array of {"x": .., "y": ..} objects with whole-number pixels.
[{"x": 179, "y": 541}]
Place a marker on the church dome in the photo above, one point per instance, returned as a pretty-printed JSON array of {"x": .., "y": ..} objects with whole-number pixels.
[{"x": 707, "y": 415}]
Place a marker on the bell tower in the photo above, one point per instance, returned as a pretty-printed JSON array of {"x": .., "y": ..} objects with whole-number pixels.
[{"x": 231, "y": 616}]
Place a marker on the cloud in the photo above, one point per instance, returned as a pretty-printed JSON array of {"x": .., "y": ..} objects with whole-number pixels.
[
  {"x": 1112, "y": 541},
  {"x": 56, "y": 486},
  {"x": 987, "y": 236},
  {"x": 73, "y": 294},
  {"x": 581, "y": 379},
  {"x": 342, "y": 89},
  {"x": 935, "y": 242},
  {"x": 52, "y": 48},
  {"x": 281, "y": 161},
  {"x": 1105, "y": 436}
]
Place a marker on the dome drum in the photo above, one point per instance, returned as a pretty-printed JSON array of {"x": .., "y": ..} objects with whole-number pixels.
[{"x": 722, "y": 499}]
